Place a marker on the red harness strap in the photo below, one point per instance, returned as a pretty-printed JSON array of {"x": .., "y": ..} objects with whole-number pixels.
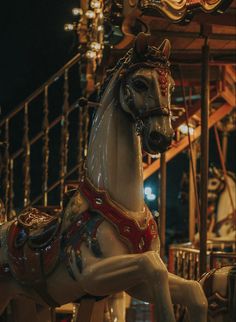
[{"x": 137, "y": 237}]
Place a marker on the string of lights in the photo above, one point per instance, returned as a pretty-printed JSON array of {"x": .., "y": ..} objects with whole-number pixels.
[{"x": 88, "y": 24}]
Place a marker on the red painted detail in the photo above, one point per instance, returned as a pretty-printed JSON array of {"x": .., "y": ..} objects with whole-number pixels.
[{"x": 137, "y": 237}]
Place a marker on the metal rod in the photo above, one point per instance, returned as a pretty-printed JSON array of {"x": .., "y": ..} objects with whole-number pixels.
[
  {"x": 163, "y": 205},
  {"x": 11, "y": 192},
  {"x": 6, "y": 168},
  {"x": 26, "y": 162},
  {"x": 204, "y": 157},
  {"x": 192, "y": 195},
  {"x": 64, "y": 136},
  {"x": 45, "y": 147},
  {"x": 225, "y": 146}
]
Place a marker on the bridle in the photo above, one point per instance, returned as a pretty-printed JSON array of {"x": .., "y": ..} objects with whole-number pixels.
[{"x": 138, "y": 116}]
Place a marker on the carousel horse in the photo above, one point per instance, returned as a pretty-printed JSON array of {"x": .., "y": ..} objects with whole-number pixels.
[
  {"x": 220, "y": 288},
  {"x": 219, "y": 197},
  {"x": 106, "y": 241},
  {"x": 221, "y": 211}
]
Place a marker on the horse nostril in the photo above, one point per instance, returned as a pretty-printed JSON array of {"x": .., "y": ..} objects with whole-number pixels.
[
  {"x": 156, "y": 137},
  {"x": 158, "y": 141}
]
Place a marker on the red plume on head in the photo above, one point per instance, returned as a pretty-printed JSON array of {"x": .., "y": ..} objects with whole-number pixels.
[{"x": 141, "y": 44}]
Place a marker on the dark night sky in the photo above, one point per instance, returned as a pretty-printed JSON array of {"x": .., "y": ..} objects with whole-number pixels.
[{"x": 33, "y": 45}]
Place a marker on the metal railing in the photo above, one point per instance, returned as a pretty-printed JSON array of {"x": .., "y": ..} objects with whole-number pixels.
[
  {"x": 184, "y": 258},
  {"x": 45, "y": 141}
]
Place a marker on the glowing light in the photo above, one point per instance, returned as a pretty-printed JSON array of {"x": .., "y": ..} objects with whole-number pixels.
[
  {"x": 90, "y": 14},
  {"x": 184, "y": 129},
  {"x": 151, "y": 197},
  {"x": 149, "y": 194},
  {"x": 147, "y": 190},
  {"x": 95, "y": 46},
  {"x": 100, "y": 28},
  {"x": 101, "y": 15},
  {"x": 77, "y": 11},
  {"x": 90, "y": 54},
  {"x": 68, "y": 27},
  {"x": 95, "y": 4}
]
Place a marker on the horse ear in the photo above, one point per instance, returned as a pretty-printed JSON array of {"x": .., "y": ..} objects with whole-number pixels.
[
  {"x": 216, "y": 172},
  {"x": 165, "y": 48},
  {"x": 141, "y": 44}
]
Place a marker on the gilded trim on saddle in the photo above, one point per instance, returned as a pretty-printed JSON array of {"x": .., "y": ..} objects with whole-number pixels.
[{"x": 138, "y": 237}]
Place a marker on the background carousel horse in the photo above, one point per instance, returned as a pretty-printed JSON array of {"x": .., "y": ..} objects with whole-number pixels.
[
  {"x": 221, "y": 214},
  {"x": 106, "y": 240},
  {"x": 225, "y": 207},
  {"x": 220, "y": 288}
]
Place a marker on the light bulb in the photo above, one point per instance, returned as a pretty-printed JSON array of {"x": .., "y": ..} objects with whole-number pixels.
[
  {"x": 90, "y": 14},
  {"x": 184, "y": 129},
  {"x": 77, "y": 12},
  {"x": 95, "y": 4},
  {"x": 100, "y": 28},
  {"x": 90, "y": 54},
  {"x": 68, "y": 27},
  {"x": 95, "y": 46}
]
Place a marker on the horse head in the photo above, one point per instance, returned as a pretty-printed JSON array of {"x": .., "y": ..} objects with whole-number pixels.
[
  {"x": 216, "y": 183},
  {"x": 145, "y": 93}
]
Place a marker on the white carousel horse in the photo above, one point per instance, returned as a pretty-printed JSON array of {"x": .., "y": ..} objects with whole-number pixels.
[
  {"x": 107, "y": 241},
  {"x": 225, "y": 206},
  {"x": 221, "y": 208},
  {"x": 220, "y": 288}
]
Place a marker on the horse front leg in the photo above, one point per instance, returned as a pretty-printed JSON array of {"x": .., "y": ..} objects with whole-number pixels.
[
  {"x": 118, "y": 273},
  {"x": 190, "y": 294},
  {"x": 184, "y": 292}
]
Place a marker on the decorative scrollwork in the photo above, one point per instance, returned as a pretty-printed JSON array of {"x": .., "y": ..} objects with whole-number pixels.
[{"x": 180, "y": 10}]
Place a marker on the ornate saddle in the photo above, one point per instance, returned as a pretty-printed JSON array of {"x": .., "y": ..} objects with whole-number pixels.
[{"x": 33, "y": 243}]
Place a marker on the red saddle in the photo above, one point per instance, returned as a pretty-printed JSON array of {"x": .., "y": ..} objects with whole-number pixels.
[{"x": 33, "y": 245}]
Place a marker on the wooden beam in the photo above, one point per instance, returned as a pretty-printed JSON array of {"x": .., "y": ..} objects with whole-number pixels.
[
  {"x": 188, "y": 34},
  {"x": 183, "y": 143},
  {"x": 228, "y": 96},
  {"x": 231, "y": 71},
  {"x": 226, "y": 19}
]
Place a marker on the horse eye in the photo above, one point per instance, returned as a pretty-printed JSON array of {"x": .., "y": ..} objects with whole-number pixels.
[{"x": 140, "y": 85}]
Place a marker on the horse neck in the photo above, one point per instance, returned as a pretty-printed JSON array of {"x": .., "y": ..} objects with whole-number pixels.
[{"x": 114, "y": 160}]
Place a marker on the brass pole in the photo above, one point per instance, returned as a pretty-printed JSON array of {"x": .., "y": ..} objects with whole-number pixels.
[
  {"x": 192, "y": 195},
  {"x": 225, "y": 145},
  {"x": 163, "y": 205},
  {"x": 204, "y": 157}
]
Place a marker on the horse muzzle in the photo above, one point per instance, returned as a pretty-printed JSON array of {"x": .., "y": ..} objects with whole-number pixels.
[
  {"x": 158, "y": 142},
  {"x": 157, "y": 135}
]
